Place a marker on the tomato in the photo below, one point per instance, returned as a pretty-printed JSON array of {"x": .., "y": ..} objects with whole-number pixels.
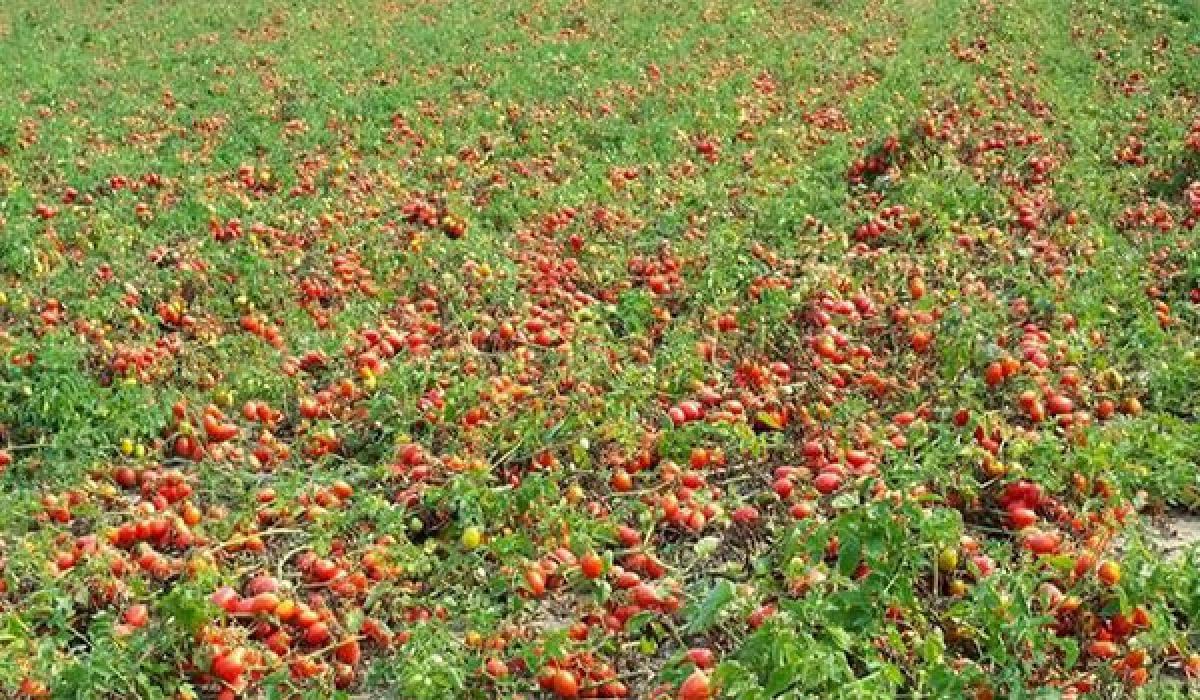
[
  {"x": 702, "y": 657},
  {"x": 264, "y": 603},
  {"x": 1109, "y": 573},
  {"x": 1042, "y": 542},
  {"x": 472, "y": 537},
  {"x": 1137, "y": 677},
  {"x": 535, "y": 582},
  {"x": 591, "y": 565},
  {"x": 745, "y": 515},
  {"x": 827, "y": 482},
  {"x": 1136, "y": 658},
  {"x": 994, "y": 375},
  {"x": 1059, "y": 405},
  {"x": 125, "y": 477},
  {"x": 495, "y": 668},
  {"x": 324, "y": 570},
  {"x": 644, "y": 595},
  {"x": 628, "y": 536},
  {"x": 564, "y": 684},
  {"x": 136, "y": 615},
  {"x": 218, "y": 431},
  {"x": 348, "y": 652},
  {"x": 1020, "y": 517},
  {"x": 760, "y": 615},
  {"x": 627, "y": 579},
  {"x": 1141, "y": 617},
  {"x": 695, "y": 687},
  {"x": 229, "y": 667},
  {"x": 342, "y": 490},
  {"x": 225, "y": 598},
  {"x": 316, "y": 634}
]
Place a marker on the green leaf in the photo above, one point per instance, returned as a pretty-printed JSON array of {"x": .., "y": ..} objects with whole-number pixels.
[
  {"x": 1070, "y": 649},
  {"x": 849, "y": 554},
  {"x": 932, "y": 647},
  {"x": 705, "y": 616},
  {"x": 188, "y": 608}
]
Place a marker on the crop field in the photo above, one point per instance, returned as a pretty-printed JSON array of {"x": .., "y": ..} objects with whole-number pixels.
[{"x": 541, "y": 349}]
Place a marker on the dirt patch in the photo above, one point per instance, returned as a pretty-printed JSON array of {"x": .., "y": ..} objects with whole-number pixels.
[{"x": 1176, "y": 532}]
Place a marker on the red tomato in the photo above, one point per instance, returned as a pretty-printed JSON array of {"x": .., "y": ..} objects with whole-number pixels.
[
  {"x": 564, "y": 684},
  {"x": 136, "y": 615},
  {"x": 827, "y": 482},
  {"x": 702, "y": 657},
  {"x": 1020, "y": 517},
  {"x": 1042, "y": 542},
  {"x": 348, "y": 652},
  {"x": 495, "y": 668},
  {"x": 591, "y": 565},
  {"x": 696, "y": 687},
  {"x": 229, "y": 667},
  {"x": 1102, "y": 649}
]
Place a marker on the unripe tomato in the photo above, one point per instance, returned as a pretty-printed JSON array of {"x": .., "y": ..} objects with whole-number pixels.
[{"x": 472, "y": 537}]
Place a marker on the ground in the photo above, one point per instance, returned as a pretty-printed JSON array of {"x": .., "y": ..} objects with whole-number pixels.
[{"x": 740, "y": 349}]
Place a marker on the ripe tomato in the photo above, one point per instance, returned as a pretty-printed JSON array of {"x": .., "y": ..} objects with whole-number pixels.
[
  {"x": 745, "y": 515},
  {"x": 696, "y": 687},
  {"x": 628, "y": 536},
  {"x": 348, "y": 652},
  {"x": 225, "y": 598},
  {"x": 565, "y": 684},
  {"x": 324, "y": 570},
  {"x": 316, "y": 634},
  {"x": 495, "y": 668},
  {"x": 1059, "y": 405},
  {"x": 535, "y": 582},
  {"x": 591, "y": 565},
  {"x": 229, "y": 667},
  {"x": 1109, "y": 573},
  {"x": 1042, "y": 542},
  {"x": 342, "y": 490},
  {"x": 644, "y": 595},
  {"x": 827, "y": 482},
  {"x": 702, "y": 657},
  {"x": 136, "y": 615},
  {"x": 1020, "y": 517}
]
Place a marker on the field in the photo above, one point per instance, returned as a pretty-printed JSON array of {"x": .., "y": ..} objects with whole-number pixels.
[{"x": 603, "y": 349}]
